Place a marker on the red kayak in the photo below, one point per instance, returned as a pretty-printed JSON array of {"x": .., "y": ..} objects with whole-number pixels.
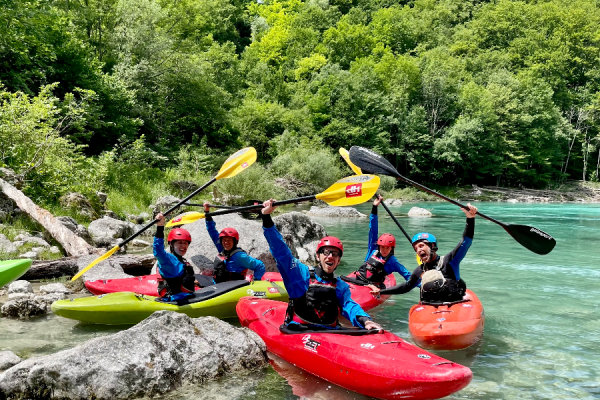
[
  {"x": 448, "y": 326},
  {"x": 360, "y": 294},
  {"x": 373, "y": 363}
]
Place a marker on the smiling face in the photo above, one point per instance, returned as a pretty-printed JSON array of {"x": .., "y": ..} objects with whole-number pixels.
[
  {"x": 180, "y": 246},
  {"x": 227, "y": 242},
  {"x": 424, "y": 251},
  {"x": 330, "y": 261},
  {"x": 385, "y": 250}
]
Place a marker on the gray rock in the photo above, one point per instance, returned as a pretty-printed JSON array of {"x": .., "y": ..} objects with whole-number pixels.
[
  {"x": 18, "y": 243},
  {"x": 341, "y": 212},
  {"x": 54, "y": 288},
  {"x": 20, "y": 286},
  {"x": 163, "y": 204},
  {"x": 419, "y": 212},
  {"x": 106, "y": 231},
  {"x": 140, "y": 243},
  {"x": 158, "y": 355},
  {"x": 11, "y": 177},
  {"x": 54, "y": 250},
  {"x": 32, "y": 255},
  {"x": 102, "y": 197},
  {"x": 8, "y": 359},
  {"x": 17, "y": 296},
  {"x": 107, "y": 269},
  {"x": 24, "y": 307},
  {"x": 26, "y": 238},
  {"x": 38, "y": 249},
  {"x": 393, "y": 202},
  {"x": 145, "y": 216},
  {"x": 76, "y": 228},
  {"x": 80, "y": 203},
  {"x": 136, "y": 219},
  {"x": 512, "y": 201},
  {"x": 111, "y": 214},
  {"x": 297, "y": 229},
  {"x": 6, "y": 246}
]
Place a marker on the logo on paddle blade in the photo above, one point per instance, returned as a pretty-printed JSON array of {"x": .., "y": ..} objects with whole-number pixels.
[
  {"x": 310, "y": 344},
  {"x": 354, "y": 190},
  {"x": 244, "y": 165},
  {"x": 177, "y": 219}
]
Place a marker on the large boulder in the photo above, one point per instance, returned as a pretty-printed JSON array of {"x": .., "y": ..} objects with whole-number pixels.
[
  {"x": 27, "y": 305},
  {"x": 337, "y": 212},
  {"x": 107, "y": 269},
  {"x": 163, "y": 204},
  {"x": 76, "y": 228},
  {"x": 300, "y": 233},
  {"x": 158, "y": 355},
  {"x": 80, "y": 203},
  {"x": 20, "y": 286},
  {"x": 418, "y": 212},
  {"x": 107, "y": 231}
]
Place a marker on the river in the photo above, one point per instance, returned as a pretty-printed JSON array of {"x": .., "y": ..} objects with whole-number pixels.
[{"x": 542, "y": 330}]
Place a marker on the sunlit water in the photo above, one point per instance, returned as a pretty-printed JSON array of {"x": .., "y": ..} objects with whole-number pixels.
[{"x": 542, "y": 330}]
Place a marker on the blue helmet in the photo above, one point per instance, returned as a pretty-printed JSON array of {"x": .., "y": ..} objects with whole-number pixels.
[{"x": 425, "y": 237}]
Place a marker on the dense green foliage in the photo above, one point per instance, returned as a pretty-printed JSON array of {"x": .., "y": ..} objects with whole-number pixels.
[{"x": 101, "y": 93}]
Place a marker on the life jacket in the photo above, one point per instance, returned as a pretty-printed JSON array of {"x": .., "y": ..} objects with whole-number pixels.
[
  {"x": 183, "y": 283},
  {"x": 317, "y": 306},
  {"x": 220, "y": 272},
  {"x": 437, "y": 288},
  {"x": 373, "y": 270}
]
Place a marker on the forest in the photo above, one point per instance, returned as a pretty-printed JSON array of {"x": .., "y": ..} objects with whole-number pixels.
[{"x": 125, "y": 96}]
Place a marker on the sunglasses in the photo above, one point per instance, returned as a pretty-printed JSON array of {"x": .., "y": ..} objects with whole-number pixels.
[{"x": 327, "y": 252}]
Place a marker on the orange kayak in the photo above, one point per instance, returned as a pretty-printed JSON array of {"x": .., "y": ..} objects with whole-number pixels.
[{"x": 451, "y": 326}]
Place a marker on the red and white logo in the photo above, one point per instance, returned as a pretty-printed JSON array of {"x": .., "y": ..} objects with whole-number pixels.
[
  {"x": 177, "y": 219},
  {"x": 273, "y": 290},
  {"x": 244, "y": 165},
  {"x": 354, "y": 190}
]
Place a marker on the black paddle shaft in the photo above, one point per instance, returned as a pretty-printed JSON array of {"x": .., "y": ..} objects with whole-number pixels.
[
  {"x": 255, "y": 206},
  {"x": 396, "y": 221},
  {"x": 529, "y": 237},
  {"x": 169, "y": 211}
]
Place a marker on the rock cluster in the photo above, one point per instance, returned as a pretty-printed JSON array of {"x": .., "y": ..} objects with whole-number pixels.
[
  {"x": 158, "y": 355},
  {"x": 419, "y": 212},
  {"x": 23, "y": 303},
  {"x": 338, "y": 212}
]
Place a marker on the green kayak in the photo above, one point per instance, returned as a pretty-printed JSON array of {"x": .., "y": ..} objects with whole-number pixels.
[
  {"x": 12, "y": 270},
  {"x": 126, "y": 308}
]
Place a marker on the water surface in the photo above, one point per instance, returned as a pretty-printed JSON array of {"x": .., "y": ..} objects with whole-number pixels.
[{"x": 542, "y": 331}]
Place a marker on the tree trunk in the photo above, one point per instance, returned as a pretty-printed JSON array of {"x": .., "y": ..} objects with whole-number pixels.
[{"x": 73, "y": 244}]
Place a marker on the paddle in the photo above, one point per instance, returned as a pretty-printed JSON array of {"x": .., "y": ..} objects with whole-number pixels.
[
  {"x": 529, "y": 237},
  {"x": 349, "y": 191},
  {"x": 235, "y": 164}
]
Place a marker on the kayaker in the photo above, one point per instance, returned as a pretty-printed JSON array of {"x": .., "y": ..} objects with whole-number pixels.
[
  {"x": 232, "y": 263},
  {"x": 380, "y": 260},
  {"x": 177, "y": 275},
  {"x": 317, "y": 297},
  {"x": 439, "y": 276}
]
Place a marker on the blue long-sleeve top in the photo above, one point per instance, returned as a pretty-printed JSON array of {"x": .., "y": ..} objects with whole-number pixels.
[
  {"x": 392, "y": 264},
  {"x": 169, "y": 265},
  {"x": 296, "y": 277},
  {"x": 238, "y": 262}
]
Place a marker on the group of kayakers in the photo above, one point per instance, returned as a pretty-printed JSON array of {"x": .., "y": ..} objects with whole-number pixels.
[{"x": 317, "y": 296}]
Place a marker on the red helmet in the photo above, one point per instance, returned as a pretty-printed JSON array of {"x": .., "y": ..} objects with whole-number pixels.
[
  {"x": 331, "y": 241},
  {"x": 230, "y": 232},
  {"x": 387, "y": 239},
  {"x": 179, "y": 234}
]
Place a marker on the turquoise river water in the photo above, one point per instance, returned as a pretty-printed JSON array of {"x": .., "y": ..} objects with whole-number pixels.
[{"x": 542, "y": 329}]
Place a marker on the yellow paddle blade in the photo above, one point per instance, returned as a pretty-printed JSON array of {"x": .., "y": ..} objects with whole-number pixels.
[
  {"x": 346, "y": 156},
  {"x": 418, "y": 259},
  {"x": 96, "y": 261},
  {"x": 186, "y": 218},
  {"x": 349, "y": 191},
  {"x": 237, "y": 162}
]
